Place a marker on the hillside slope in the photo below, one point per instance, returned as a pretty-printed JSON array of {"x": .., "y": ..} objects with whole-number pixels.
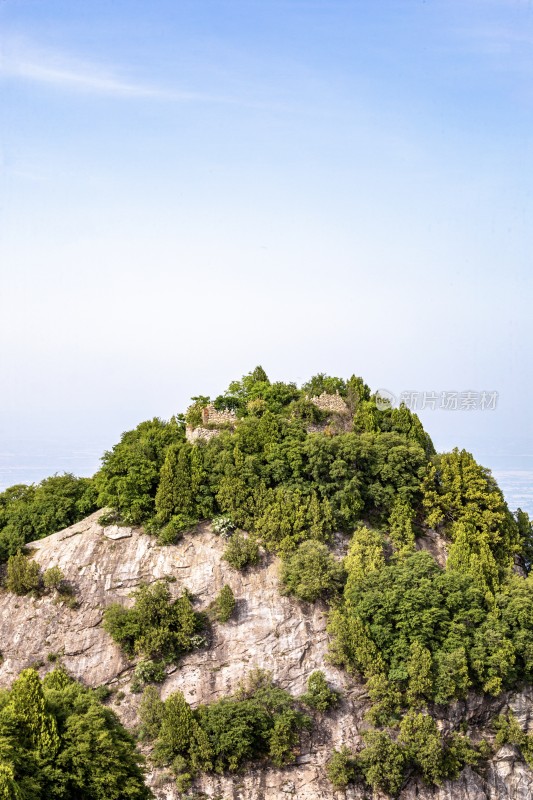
[{"x": 269, "y": 631}]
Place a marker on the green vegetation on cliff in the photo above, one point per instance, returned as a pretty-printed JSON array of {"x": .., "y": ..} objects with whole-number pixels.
[
  {"x": 285, "y": 471},
  {"x": 268, "y": 475},
  {"x": 260, "y": 722},
  {"x": 156, "y": 627},
  {"x": 419, "y": 634},
  {"x": 58, "y": 742},
  {"x": 32, "y": 512}
]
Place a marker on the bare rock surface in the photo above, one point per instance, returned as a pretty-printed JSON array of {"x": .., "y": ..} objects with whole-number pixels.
[{"x": 104, "y": 565}]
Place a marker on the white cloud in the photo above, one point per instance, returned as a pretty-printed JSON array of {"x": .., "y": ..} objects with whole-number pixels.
[{"x": 57, "y": 71}]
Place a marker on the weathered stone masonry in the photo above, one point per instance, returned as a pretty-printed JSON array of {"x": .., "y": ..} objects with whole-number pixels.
[
  {"x": 333, "y": 403},
  {"x": 211, "y": 417}
]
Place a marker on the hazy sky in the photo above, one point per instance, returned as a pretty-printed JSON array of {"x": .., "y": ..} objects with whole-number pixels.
[{"x": 191, "y": 188}]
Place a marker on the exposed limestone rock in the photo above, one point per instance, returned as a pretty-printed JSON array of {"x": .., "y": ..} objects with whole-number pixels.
[
  {"x": 434, "y": 544},
  {"x": 117, "y": 532},
  {"x": 268, "y": 631}
]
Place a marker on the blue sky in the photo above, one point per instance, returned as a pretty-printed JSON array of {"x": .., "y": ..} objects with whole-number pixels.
[{"x": 191, "y": 188}]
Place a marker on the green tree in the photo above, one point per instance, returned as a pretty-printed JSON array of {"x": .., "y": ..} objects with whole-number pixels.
[
  {"x": 53, "y": 578},
  {"x": 319, "y": 695},
  {"x": 423, "y": 745},
  {"x": 401, "y": 526},
  {"x": 419, "y": 671},
  {"x": 386, "y": 698},
  {"x": 60, "y": 743},
  {"x": 156, "y": 626},
  {"x": 224, "y": 604},
  {"x": 23, "y": 574},
  {"x": 311, "y": 572},
  {"x": 129, "y": 476},
  {"x": 365, "y": 554},
  {"x": 241, "y": 551},
  {"x": 342, "y": 768},
  {"x": 382, "y": 762},
  {"x": 32, "y": 512},
  {"x": 525, "y": 533},
  {"x": 151, "y": 710},
  {"x": 176, "y": 729}
]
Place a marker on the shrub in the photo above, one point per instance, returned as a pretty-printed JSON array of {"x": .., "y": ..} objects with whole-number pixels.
[
  {"x": 53, "y": 578},
  {"x": 382, "y": 762},
  {"x": 319, "y": 695},
  {"x": 311, "y": 572},
  {"x": 224, "y": 604},
  {"x": 173, "y": 530},
  {"x": 157, "y": 627},
  {"x": 241, "y": 551},
  {"x": 509, "y": 731},
  {"x": 102, "y": 693},
  {"x": 342, "y": 768},
  {"x": 223, "y": 526},
  {"x": 23, "y": 574},
  {"x": 147, "y": 671},
  {"x": 259, "y": 722}
]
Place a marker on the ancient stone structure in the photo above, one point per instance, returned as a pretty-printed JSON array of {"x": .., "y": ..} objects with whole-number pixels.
[
  {"x": 210, "y": 416},
  {"x": 194, "y": 434},
  {"x": 333, "y": 403}
]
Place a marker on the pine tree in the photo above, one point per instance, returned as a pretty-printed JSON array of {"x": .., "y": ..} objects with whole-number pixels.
[
  {"x": 165, "y": 499},
  {"x": 177, "y": 727},
  {"x": 401, "y": 526},
  {"x": 419, "y": 671},
  {"x": 37, "y": 727},
  {"x": 9, "y": 788},
  {"x": 365, "y": 555}
]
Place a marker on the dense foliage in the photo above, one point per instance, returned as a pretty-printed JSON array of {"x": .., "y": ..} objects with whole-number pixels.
[
  {"x": 508, "y": 731},
  {"x": 268, "y": 476},
  {"x": 418, "y": 747},
  {"x": 432, "y": 633},
  {"x": 241, "y": 551},
  {"x": 58, "y": 742},
  {"x": 24, "y": 576},
  {"x": 260, "y": 722},
  {"x": 421, "y": 635},
  {"x": 156, "y": 626},
  {"x": 129, "y": 476},
  {"x": 31, "y": 512},
  {"x": 462, "y": 499}
]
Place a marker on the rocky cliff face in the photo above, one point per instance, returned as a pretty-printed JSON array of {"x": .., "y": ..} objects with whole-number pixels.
[{"x": 267, "y": 631}]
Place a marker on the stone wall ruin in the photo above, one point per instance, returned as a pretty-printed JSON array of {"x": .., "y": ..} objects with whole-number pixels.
[{"x": 333, "y": 403}]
